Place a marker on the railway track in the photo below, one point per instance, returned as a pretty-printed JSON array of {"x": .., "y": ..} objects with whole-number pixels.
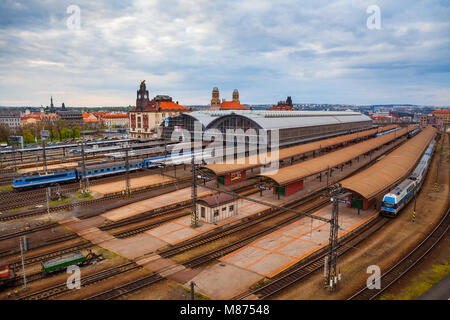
[
  {"x": 87, "y": 280},
  {"x": 137, "y": 195},
  {"x": 396, "y": 272},
  {"x": 167, "y": 216},
  {"x": 137, "y": 284},
  {"x": 38, "y": 196},
  {"x": 228, "y": 230},
  {"x": 160, "y": 217},
  {"x": 30, "y": 164},
  {"x": 199, "y": 260},
  {"x": 51, "y": 254},
  {"x": 303, "y": 269}
]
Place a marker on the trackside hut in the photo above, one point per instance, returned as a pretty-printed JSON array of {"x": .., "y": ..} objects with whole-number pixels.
[{"x": 217, "y": 207}]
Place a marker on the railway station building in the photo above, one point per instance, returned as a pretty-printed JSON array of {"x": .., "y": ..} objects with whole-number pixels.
[
  {"x": 148, "y": 114},
  {"x": 293, "y": 127}
]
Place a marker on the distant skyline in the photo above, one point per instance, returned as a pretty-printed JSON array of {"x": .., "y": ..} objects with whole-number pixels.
[{"x": 318, "y": 51}]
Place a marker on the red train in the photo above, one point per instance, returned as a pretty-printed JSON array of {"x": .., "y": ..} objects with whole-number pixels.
[{"x": 6, "y": 274}]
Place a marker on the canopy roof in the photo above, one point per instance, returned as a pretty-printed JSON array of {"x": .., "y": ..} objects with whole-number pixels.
[
  {"x": 313, "y": 166},
  {"x": 286, "y": 153},
  {"x": 392, "y": 168}
]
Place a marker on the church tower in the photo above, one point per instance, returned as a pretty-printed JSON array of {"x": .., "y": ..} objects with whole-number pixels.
[
  {"x": 215, "y": 101},
  {"x": 236, "y": 96},
  {"x": 52, "y": 107},
  {"x": 142, "y": 100}
]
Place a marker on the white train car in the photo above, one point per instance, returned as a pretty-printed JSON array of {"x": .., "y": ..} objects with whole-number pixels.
[{"x": 399, "y": 197}]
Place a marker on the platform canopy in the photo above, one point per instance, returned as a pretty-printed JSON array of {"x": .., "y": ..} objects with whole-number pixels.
[
  {"x": 313, "y": 166},
  {"x": 392, "y": 168},
  {"x": 250, "y": 162}
]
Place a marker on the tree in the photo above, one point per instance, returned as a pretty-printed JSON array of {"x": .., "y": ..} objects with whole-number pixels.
[
  {"x": 76, "y": 132},
  {"x": 28, "y": 136},
  {"x": 5, "y": 132},
  {"x": 59, "y": 125}
]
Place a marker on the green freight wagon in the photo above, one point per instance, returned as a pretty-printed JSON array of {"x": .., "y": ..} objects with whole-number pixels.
[{"x": 61, "y": 262}]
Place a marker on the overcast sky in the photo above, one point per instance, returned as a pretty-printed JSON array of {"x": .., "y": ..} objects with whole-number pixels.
[{"x": 315, "y": 51}]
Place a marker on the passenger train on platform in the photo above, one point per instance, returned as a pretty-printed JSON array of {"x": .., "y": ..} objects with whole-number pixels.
[
  {"x": 400, "y": 196},
  {"x": 95, "y": 171}
]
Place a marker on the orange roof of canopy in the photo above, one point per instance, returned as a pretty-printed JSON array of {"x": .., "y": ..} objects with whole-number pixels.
[
  {"x": 392, "y": 168},
  {"x": 232, "y": 105}
]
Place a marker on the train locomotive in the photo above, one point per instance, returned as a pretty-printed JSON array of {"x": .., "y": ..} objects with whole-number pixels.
[
  {"x": 399, "y": 197},
  {"x": 94, "y": 171}
]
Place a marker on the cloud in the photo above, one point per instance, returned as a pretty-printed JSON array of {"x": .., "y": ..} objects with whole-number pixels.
[{"x": 316, "y": 51}]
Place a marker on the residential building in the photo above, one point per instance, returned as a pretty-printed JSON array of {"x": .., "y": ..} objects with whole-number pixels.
[
  {"x": 443, "y": 114},
  {"x": 11, "y": 119},
  {"x": 90, "y": 120},
  {"x": 284, "y": 105},
  {"x": 118, "y": 120}
]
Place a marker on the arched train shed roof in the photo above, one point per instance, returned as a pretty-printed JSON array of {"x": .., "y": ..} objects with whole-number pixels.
[
  {"x": 392, "y": 168},
  {"x": 314, "y": 166},
  {"x": 267, "y": 119}
]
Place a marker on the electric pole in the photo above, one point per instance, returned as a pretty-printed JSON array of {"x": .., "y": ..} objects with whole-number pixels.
[
  {"x": 43, "y": 154},
  {"x": 331, "y": 259},
  {"x": 23, "y": 265},
  {"x": 84, "y": 177},
  {"x": 192, "y": 290},
  {"x": 127, "y": 174},
  {"x": 194, "y": 218},
  {"x": 48, "y": 202}
]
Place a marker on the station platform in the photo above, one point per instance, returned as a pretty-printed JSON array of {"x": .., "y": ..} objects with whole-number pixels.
[
  {"x": 153, "y": 203},
  {"x": 135, "y": 183},
  {"x": 130, "y": 248},
  {"x": 275, "y": 252},
  {"x": 180, "y": 229},
  {"x": 279, "y": 250},
  {"x": 164, "y": 200},
  {"x": 50, "y": 167}
]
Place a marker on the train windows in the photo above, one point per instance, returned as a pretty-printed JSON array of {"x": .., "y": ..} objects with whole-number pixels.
[
  {"x": 47, "y": 177},
  {"x": 389, "y": 205}
]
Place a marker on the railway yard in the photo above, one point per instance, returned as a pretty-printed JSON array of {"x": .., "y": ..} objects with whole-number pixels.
[{"x": 145, "y": 226}]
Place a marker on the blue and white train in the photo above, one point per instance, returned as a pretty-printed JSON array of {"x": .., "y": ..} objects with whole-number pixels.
[
  {"x": 386, "y": 132},
  {"x": 94, "y": 171},
  {"x": 399, "y": 197}
]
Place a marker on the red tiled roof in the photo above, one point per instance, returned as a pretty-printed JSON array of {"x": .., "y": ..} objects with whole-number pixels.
[
  {"x": 31, "y": 116},
  {"x": 379, "y": 117},
  {"x": 232, "y": 105},
  {"x": 86, "y": 116},
  {"x": 170, "y": 105},
  {"x": 217, "y": 199},
  {"x": 440, "y": 111}
]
